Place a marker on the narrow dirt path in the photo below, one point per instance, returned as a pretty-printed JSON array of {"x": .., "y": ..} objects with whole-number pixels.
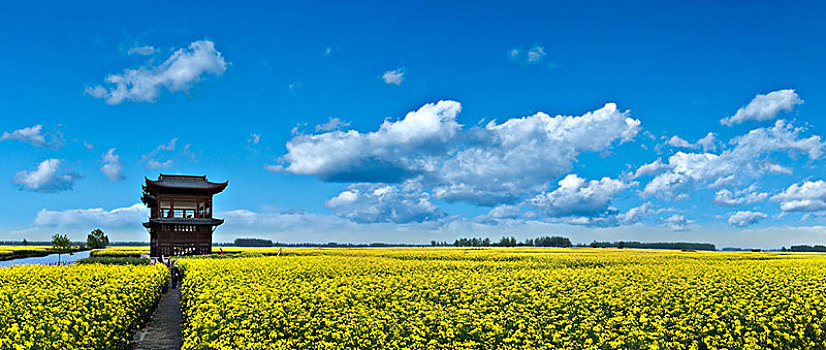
[{"x": 164, "y": 331}]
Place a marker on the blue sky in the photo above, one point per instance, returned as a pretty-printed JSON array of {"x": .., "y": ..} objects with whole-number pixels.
[{"x": 525, "y": 119}]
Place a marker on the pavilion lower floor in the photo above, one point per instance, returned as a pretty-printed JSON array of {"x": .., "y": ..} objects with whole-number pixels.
[{"x": 173, "y": 243}]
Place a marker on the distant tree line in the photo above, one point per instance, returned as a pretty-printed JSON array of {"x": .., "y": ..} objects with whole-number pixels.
[
  {"x": 655, "y": 245},
  {"x": 546, "y": 241},
  {"x": 252, "y": 242},
  {"x": 563, "y": 242},
  {"x": 806, "y": 248},
  {"x": 60, "y": 242}
]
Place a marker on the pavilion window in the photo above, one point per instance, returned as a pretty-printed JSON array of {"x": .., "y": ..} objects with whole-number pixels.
[{"x": 166, "y": 208}]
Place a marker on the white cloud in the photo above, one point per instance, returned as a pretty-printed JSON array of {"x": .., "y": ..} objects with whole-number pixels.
[
  {"x": 773, "y": 168},
  {"x": 765, "y": 107},
  {"x": 384, "y": 203},
  {"x": 636, "y": 214},
  {"x": 650, "y": 168},
  {"x": 677, "y": 222},
  {"x": 745, "y": 218},
  {"x": 93, "y": 217},
  {"x": 536, "y": 54},
  {"x": 254, "y": 138},
  {"x": 481, "y": 165},
  {"x": 112, "y": 166},
  {"x": 577, "y": 197},
  {"x": 46, "y": 178},
  {"x": 504, "y": 161},
  {"x": 179, "y": 72},
  {"x": 532, "y": 55},
  {"x": 808, "y": 196},
  {"x": 747, "y": 159},
  {"x": 143, "y": 50},
  {"x": 33, "y": 135},
  {"x": 676, "y": 141},
  {"x": 393, "y": 76},
  {"x": 396, "y": 151},
  {"x": 332, "y": 124},
  {"x": 152, "y": 163},
  {"x": 612, "y": 217},
  {"x": 707, "y": 143},
  {"x": 502, "y": 211},
  {"x": 748, "y": 195}
]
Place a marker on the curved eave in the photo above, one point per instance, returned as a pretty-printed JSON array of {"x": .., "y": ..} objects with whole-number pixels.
[{"x": 181, "y": 221}]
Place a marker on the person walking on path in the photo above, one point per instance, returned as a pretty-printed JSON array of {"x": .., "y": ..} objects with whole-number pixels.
[{"x": 176, "y": 276}]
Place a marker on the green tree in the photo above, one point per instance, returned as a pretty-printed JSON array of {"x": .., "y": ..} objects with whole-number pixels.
[
  {"x": 97, "y": 239},
  {"x": 61, "y": 245},
  {"x": 25, "y": 242}
]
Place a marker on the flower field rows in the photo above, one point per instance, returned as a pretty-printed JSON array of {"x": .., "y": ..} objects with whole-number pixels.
[
  {"x": 76, "y": 307},
  {"x": 121, "y": 252},
  {"x": 505, "y": 299}
]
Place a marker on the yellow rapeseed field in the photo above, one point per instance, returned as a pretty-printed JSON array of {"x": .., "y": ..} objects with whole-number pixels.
[
  {"x": 76, "y": 307},
  {"x": 505, "y": 299},
  {"x": 119, "y": 252},
  {"x": 137, "y": 251}
]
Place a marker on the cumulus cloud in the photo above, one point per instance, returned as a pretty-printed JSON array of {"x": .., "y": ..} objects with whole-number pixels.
[
  {"x": 502, "y": 162},
  {"x": 372, "y": 203},
  {"x": 677, "y": 222},
  {"x": 499, "y": 212},
  {"x": 47, "y": 178},
  {"x": 398, "y": 150},
  {"x": 395, "y": 76},
  {"x": 676, "y": 141},
  {"x": 808, "y": 196},
  {"x": 112, "y": 166},
  {"x": 578, "y": 197},
  {"x": 636, "y": 214},
  {"x": 179, "y": 72},
  {"x": 33, "y": 135},
  {"x": 93, "y": 217},
  {"x": 765, "y": 107},
  {"x": 30, "y": 135},
  {"x": 650, "y": 168},
  {"x": 747, "y": 195},
  {"x": 481, "y": 165},
  {"x": 707, "y": 143},
  {"x": 748, "y": 158},
  {"x": 745, "y": 218}
]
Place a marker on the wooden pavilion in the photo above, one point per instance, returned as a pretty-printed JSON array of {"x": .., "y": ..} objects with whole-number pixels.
[{"x": 180, "y": 214}]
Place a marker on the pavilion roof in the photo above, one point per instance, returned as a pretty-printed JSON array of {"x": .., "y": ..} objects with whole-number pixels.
[{"x": 186, "y": 182}]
